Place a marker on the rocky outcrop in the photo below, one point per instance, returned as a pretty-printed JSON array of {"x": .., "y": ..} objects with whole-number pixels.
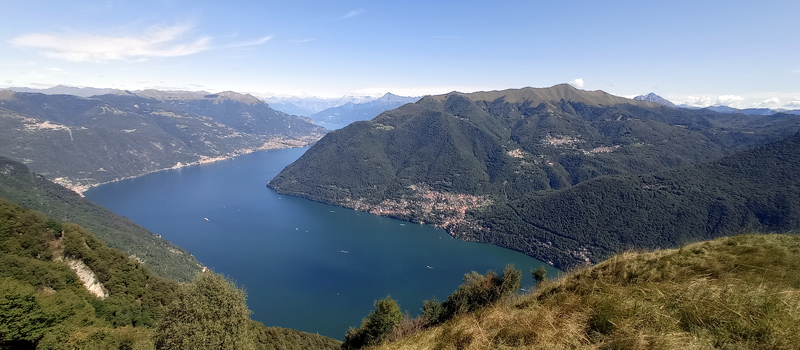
[{"x": 88, "y": 278}]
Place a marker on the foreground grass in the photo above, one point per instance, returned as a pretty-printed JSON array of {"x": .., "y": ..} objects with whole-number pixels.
[{"x": 738, "y": 292}]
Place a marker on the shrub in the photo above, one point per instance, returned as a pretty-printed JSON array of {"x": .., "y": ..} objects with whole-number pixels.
[
  {"x": 376, "y": 327},
  {"x": 479, "y": 291}
]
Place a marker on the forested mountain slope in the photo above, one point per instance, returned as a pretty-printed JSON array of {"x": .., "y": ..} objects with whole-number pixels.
[
  {"x": 32, "y": 191},
  {"x": 452, "y": 159},
  {"x": 756, "y": 189},
  {"x": 80, "y": 142},
  {"x": 62, "y": 288}
]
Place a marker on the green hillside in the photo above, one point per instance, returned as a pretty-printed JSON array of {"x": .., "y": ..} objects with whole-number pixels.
[
  {"x": 756, "y": 189},
  {"x": 471, "y": 163},
  {"x": 44, "y": 304},
  {"x": 32, "y": 191},
  {"x": 81, "y": 142},
  {"x": 739, "y": 292}
]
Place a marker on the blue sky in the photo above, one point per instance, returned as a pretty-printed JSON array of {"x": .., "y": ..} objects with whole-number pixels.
[{"x": 740, "y": 53}]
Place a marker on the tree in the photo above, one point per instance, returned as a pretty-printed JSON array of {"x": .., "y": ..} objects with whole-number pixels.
[
  {"x": 512, "y": 281},
  {"x": 539, "y": 274},
  {"x": 209, "y": 313},
  {"x": 22, "y": 321},
  {"x": 432, "y": 311},
  {"x": 376, "y": 327}
]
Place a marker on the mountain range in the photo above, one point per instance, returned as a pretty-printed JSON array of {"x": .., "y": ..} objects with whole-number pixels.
[
  {"x": 565, "y": 175},
  {"x": 84, "y": 141},
  {"x": 456, "y": 160},
  {"x": 652, "y": 97},
  {"x": 341, "y": 116},
  {"x": 311, "y": 104}
]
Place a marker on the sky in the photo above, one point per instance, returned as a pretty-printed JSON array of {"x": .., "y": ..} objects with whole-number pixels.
[{"x": 738, "y": 53}]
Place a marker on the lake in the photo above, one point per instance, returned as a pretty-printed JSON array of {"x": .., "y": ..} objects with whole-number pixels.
[{"x": 305, "y": 265}]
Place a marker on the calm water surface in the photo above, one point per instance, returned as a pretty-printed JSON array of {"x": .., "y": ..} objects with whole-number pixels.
[{"x": 305, "y": 265}]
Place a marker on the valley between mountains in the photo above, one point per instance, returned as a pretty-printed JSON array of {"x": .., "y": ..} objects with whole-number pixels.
[
  {"x": 81, "y": 142},
  {"x": 577, "y": 179}
]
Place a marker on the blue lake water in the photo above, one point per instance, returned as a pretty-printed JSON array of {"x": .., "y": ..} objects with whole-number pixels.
[{"x": 305, "y": 265}]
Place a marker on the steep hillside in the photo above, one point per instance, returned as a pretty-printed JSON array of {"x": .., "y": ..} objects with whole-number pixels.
[
  {"x": 756, "y": 189},
  {"x": 62, "y": 288},
  {"x": 738, "y": 292},
  {"x": 80, "y": 142},
  {"x": 448, "y": 159},
  {"x": 32, "y": 191}
]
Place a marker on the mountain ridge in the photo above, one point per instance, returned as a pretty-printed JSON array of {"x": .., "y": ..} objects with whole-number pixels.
[
  {"x": 445, "y": 159},
  {"x": 82, "y": 142},
  {"x": 552, "y": 94}
]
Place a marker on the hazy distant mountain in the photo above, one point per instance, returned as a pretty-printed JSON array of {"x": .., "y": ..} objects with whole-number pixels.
[
  {"x": 338, "y": 117},
  {"x": 748, "y": 111},
  {"x": 652, "y": 97},
  {"x": 80, "y": 142},
  {"x": 307, "y": 106},
  {"x": 450, "y": 159},
  {"x": 66, "y": 90}
]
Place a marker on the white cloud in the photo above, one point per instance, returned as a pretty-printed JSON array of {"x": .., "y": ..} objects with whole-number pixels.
[
  {"x": 793, "y": 104},
  {"x": 578, "y": 83},
  {"x": 353, "y": 13},
  {"x": 729, "y": 100},
  {"x": 154, "y": 42},
  {"x": 694, "y": 101},
  {"x": 773, "y": 102}
]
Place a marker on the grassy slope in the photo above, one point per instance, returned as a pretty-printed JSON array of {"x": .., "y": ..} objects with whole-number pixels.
[{"x": 739, "y": 292}]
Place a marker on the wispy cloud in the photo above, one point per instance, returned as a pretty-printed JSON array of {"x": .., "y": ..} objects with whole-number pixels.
[
  {"x": 256, "y": 42},
  {"x": 301, "y": 41},
  {"x": 156, "y": 41},
  {"x": 353, "y": 13}
]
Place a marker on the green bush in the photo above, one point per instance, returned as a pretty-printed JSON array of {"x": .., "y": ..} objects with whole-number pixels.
[
  {"x": 479, "y": 291},
  {"x": 376, "y": 327}
]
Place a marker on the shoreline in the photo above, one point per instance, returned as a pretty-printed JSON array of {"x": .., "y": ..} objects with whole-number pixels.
[{"x": 271, "y": 145}]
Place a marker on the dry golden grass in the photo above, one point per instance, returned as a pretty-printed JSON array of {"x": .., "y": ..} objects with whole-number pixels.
[{"x": 731, "y": 293}]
